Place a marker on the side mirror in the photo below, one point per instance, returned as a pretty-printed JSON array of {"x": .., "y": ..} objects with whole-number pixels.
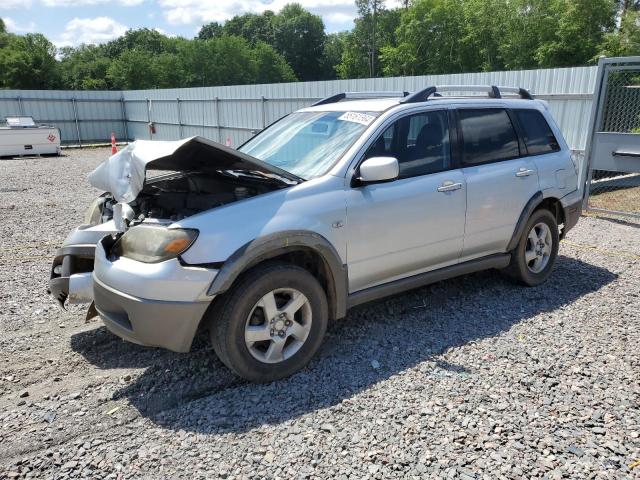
[{"x": 379, "y": 169}]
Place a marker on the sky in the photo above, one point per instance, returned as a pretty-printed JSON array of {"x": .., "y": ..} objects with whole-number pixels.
[{"x": 72, "y": 22}]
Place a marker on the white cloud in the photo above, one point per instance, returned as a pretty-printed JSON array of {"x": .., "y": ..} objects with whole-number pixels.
[
  {"x": 188, "y": 12},
  {"x": 90, "y": 30},
  {"x": 165, "y": 33},
  {"x": 80, "y": 3},
  {"x": 14, "y": 4},
  {"x": 337, "y": 14},
  {"x": 14, "y": 27}
]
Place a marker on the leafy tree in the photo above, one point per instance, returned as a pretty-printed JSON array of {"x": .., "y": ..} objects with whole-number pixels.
[
  {"x": 271, "y": 67},
  {"x": 144, "y": 39},
  {"x": 132, "y": 70},
  {"x": 28, "y": 62},
  {"x": 299, "y": 37},
  {"x": 3, "y": 28},
  {"x": 429, "y": 40},
  {"x": 356, "y": 57},
  {"x": 84, "y": 68},
  {"x": 582, "y": 25},
  {"x": 334, "y": 48},
  {"x": 252, "y": 27},
  {"x": 210, "y": 30},
  {"x": 484, "y": 23},
  {"x": 529, "y": 24},
  {"x": 626, "y": 40}
]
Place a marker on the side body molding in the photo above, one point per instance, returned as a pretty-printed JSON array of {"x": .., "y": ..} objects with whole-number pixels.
[
  {"x": 524, "y": 216},
  {"x": 279, "y": 243}
]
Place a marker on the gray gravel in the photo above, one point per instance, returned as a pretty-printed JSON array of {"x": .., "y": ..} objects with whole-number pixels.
[{"x": 468, "y": 378}]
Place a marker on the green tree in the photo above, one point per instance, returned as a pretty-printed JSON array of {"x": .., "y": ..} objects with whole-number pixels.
[
  {"x": 429, "y": 40},
  {"x": 582, "y": 25},
  {"x": 252, "y": 27},
  {"x": 84, "y": 68},
  {"x": 334, "y": 48},
  {"x": 28, "y": 62},
  {"x": 144, "y": 39},
  {"x": 300, "y": 37},
  {"x": 3, "y": 28},
  {"x": 368, "y": 11},
  {"x": 356, "y": 57},
  {"x": 210, "y": 30},
  {"x": 271, "y": 67},
  {"x": 529, "y": 24},
  {"x": 626, "y": 40},
  {"x": 133, "y": 69}
]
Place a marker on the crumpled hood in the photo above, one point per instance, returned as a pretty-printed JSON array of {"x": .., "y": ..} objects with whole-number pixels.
[{"x": 123, "y": 174}]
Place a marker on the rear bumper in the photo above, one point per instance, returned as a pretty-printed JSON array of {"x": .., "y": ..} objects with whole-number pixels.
[
  {"x": 157, "y": 323},
  {"x": 572, "y": 212}
]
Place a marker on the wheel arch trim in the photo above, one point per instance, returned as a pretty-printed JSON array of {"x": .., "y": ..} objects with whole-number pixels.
[
  {"x": 528, "y": 209},
  {"x": 276, "y": 244}
]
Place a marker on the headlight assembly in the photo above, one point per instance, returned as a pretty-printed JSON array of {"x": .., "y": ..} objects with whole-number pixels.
[
  {"x": 93, "y": 215},
  {"x": 153, "y": 244}
]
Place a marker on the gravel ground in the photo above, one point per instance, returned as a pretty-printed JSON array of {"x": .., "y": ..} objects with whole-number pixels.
[{"x": 468, "y": 378}]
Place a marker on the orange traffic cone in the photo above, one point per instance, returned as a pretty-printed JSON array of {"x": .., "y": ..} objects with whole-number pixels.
[{"x": 114, "y": 149}]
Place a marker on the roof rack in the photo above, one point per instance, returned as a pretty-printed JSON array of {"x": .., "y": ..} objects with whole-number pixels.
[
  {"x": 491, "y": 90},
  {"x": 359, "y": 96}
]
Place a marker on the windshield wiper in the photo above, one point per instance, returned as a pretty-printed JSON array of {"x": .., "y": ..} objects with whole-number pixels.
[{"x": 264, "y": 176}]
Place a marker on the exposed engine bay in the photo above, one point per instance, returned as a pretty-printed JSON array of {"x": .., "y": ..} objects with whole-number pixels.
[{"x": 178, "y": 195}]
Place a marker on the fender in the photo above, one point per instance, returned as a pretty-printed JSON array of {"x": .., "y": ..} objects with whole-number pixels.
[
  {"x": 276, "y": 244},
  {"x": 528, "y": 209}
]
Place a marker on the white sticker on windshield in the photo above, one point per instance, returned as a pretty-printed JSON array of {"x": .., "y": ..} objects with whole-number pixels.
[{"x": 357, "y": 117}]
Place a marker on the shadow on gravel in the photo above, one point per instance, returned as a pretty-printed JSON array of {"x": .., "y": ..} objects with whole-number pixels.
[{"x": 195, "y": 392}]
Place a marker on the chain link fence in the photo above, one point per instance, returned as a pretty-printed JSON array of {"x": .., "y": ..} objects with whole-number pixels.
[{"x": 618, "y": 191}]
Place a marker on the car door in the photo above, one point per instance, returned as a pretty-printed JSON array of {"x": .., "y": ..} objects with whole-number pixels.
[
  {"x": 499, "y": 180},
  {"x": 412, "y": 224}
]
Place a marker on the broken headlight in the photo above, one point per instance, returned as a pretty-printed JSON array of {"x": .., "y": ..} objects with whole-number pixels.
[
  {"x": 93, "y": 215},
  {"x": 153, "y": 244}
]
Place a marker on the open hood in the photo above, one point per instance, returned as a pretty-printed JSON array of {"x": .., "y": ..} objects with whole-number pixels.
[{"x": 123, "y": 174}]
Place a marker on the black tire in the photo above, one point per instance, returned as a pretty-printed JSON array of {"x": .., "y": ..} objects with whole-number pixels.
[
  {"x": 519, "y": 269},
  {"x": 231, "y": 316}
]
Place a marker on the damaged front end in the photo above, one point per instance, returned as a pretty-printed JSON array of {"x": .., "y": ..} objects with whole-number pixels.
[{"x": 156, "y": 182}]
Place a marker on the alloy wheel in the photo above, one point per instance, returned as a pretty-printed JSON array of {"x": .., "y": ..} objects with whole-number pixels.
[
  {"x": 539, "y": 247},
  {"x": 278, "y": 325}
]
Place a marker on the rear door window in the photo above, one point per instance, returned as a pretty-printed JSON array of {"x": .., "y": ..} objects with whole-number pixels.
[
  {"x": 487, "y": 136},
  {"x": 538, "y": 136}
]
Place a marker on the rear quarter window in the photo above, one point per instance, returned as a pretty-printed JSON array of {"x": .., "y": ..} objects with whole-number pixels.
[{"x": 538, "y": 136}]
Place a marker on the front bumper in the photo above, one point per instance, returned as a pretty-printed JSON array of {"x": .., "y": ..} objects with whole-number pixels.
[
  {"x": 156, "y": 323},
  {"x": 70, "y": 277},
  {"x": 155, "y": 304}
]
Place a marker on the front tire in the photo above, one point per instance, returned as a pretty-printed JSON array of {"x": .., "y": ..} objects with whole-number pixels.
[
  {"x": 271, "y": 323},
  {"x": 534, "y": 257}
]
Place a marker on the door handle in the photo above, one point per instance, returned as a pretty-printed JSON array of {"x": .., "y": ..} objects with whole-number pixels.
[
  {"x": 619, "y": 153},
  {"x": 524, "y": 172},
  {"x": 449, "y": 186}
]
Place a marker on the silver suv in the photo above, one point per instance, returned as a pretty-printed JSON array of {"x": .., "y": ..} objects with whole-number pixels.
[{"x": 358, "y": 197}]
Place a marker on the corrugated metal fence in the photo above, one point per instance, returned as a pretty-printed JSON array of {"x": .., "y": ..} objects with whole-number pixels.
[
  {"x": 81, "y": 116},
  {"x": 230, "y": 114}
]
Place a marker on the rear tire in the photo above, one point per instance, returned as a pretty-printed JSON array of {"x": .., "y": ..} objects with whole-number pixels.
[
  {"x": 271, "y": 323},
  {"x": 534, "y": 257}
]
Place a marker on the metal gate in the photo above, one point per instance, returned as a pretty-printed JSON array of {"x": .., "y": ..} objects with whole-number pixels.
[{"x": 612, "y": 157}]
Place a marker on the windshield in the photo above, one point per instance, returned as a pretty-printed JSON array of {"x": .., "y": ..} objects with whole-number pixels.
[{"x": 307, "y": 144}]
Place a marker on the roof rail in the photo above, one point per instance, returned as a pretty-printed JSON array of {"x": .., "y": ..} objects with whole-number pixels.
[
  {"x": 359, "y": 96},
  {"x": 491, "y": 90}
]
